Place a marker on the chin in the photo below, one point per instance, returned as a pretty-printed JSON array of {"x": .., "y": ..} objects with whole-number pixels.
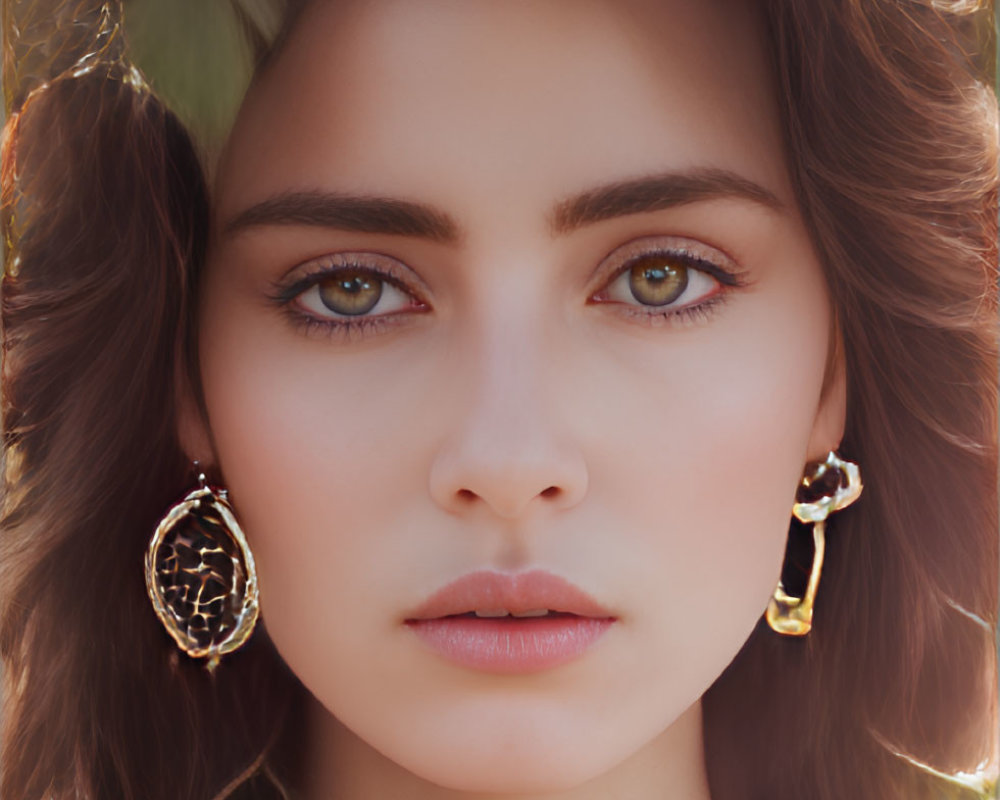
[
  {"x": 526, "y": 759},
  {"x": 507, "y": 773}
]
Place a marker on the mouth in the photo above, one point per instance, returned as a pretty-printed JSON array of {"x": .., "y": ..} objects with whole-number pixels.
[
  {"x": 502, "y": 614},
  {"x": 507, "y": 624},
  {"x": 495, "y": 595}
]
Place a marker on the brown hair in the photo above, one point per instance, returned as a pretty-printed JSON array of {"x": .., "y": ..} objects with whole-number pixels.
[
  {"x": 891, "y": 142},
  {"x": 891, "y": 139}
]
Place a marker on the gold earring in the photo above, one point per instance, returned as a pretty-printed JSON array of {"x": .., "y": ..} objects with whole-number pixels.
[
  {"x": 826, "y": 487},
  {"x": 201, "y": 576}
]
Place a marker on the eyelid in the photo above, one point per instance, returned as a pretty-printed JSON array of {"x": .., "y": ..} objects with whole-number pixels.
[
  {"x": 309, "y": 273},
  {"x": 697, "y": 255},
  {"x": 701, "y": 256}
]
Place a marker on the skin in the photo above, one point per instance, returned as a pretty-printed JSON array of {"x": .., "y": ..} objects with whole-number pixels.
[{"x": 521, "y": 413}]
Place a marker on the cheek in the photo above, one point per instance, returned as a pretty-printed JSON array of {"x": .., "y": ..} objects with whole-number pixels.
[
  {"x": 314, "y": 453},
  {"x": 724, "y": 473}
]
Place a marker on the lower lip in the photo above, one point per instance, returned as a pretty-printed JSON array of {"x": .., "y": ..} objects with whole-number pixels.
[{"x": 510, "y": 644}]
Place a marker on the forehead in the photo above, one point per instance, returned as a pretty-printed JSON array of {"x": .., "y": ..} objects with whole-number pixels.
[{"x": 458, "y": 102}]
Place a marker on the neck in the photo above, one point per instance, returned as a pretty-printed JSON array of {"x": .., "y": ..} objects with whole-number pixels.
[{"x": 341, "y": 766}]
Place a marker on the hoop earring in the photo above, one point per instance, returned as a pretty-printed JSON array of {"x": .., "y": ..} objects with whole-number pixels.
[
  {"x": 201, "y": 577},
  {"x": 829, "y": 486}
]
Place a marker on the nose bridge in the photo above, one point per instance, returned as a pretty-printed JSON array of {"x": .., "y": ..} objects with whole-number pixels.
[
  {"x": 506, "y": 446},
  {"x": 507, "y": 358}
]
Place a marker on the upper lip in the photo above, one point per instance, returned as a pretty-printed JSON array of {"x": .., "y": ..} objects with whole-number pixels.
[{"x": 517, "y": 593}]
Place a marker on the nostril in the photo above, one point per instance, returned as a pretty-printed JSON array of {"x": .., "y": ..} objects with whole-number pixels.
[
  {"x": 465, "y": 494},
  {"x": 551, "y": 491}
]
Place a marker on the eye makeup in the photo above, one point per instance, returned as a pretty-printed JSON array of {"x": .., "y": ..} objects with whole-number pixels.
[
  {"x": 666, "y": 280},
  {"x": 656, "y": 281}
]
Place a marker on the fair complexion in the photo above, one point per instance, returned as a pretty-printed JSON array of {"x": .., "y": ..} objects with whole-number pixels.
[{"x": 534, "y": 397}]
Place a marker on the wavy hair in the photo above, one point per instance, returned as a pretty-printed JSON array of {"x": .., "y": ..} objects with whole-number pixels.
[{"x": 891, "y": 141}]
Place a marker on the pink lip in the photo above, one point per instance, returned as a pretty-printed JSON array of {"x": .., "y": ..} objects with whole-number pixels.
[{"x": 508, "y": 644}]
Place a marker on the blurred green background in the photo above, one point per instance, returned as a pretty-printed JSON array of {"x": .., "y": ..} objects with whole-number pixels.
[{"x": 193, "y": 54}]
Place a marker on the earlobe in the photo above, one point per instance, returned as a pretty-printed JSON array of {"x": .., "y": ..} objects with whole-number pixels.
[{"x": 831, "y": 414}]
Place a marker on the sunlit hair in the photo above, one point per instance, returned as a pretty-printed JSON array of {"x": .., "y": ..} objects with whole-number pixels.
[{"x": 891, "y": 141}]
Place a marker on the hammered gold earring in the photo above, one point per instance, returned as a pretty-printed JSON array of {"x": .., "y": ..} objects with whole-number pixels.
[
  {"x": 201, "y": 577},
  {"x": 827, "y": 486}
]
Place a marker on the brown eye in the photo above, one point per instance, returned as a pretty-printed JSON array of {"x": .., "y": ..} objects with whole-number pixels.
[
  {"x": 350, "y": 291},
  {"x": 350, "y": 296},
  {"x": 661, "y": 283},
  {"x": 354, "y": 291},
  {"x": 656, "y": 280}
]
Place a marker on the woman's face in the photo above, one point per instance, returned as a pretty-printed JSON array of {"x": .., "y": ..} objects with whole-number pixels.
[{"x": 588, "y": 336}]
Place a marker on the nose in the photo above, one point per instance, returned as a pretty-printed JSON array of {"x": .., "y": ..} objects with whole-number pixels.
[{"x": 506, "y": 449}]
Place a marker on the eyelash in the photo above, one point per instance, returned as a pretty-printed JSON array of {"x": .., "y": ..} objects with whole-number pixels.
[{"x": 361, "y": 327}]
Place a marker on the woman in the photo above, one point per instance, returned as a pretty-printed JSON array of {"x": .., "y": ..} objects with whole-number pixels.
[{"x": 515, "y": 332}]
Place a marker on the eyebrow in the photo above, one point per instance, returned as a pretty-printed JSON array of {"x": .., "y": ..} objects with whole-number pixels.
[
  {"x": 384, "y": 215},
  {"x": 655, "y": 193},
  {"x": 363, "y": 214}
]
